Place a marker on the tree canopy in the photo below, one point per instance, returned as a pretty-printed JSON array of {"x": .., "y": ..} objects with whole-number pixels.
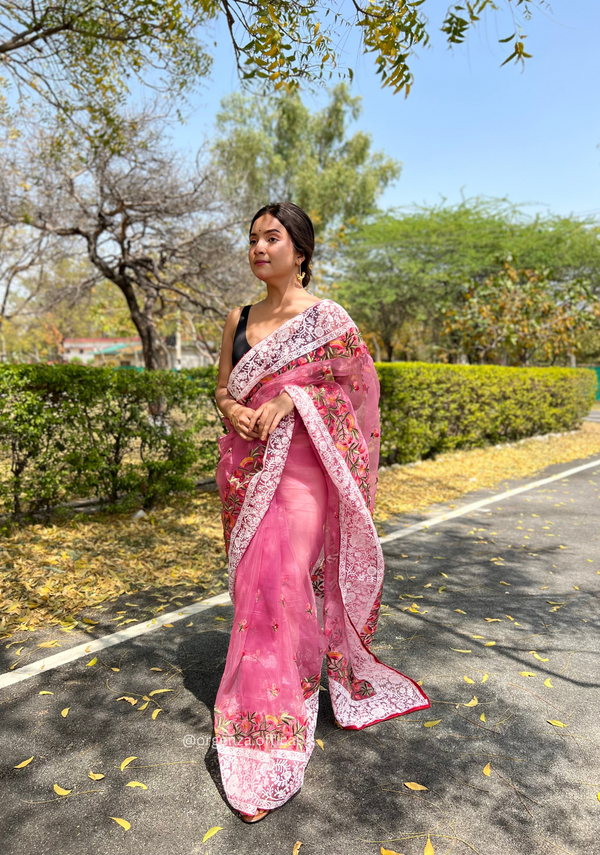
[
  {"x": 415, "y": 265},
  {"x": 77, "y": 54},
  {"x": 285, "y": 152}
]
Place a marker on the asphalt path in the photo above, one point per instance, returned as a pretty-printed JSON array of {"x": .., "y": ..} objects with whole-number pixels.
[{"x": 484, "y": 609}]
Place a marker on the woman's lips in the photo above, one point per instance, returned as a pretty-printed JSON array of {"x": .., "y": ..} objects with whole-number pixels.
[{"x": 261, "y": 262}]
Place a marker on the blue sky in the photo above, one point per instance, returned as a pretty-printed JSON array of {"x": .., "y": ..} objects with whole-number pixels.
[{"x": 469, "y": 125}]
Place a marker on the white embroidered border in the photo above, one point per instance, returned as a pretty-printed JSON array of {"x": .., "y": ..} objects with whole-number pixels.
[
  {"x": 259, "y": 493},
  {"x": 256, "y": 779},
  {"x": 360, "y": 553},
  {"x": 315, "y": 326},
  {"x": 358, "y": 536}
]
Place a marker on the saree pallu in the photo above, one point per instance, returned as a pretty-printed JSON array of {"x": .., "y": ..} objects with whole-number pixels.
[{"x": 305, "y": 564}]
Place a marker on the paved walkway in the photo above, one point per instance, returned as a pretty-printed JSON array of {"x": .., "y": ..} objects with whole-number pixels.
[{"x": 485, "y": 609}]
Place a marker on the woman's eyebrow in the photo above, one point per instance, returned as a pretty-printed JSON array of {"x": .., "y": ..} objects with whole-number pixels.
[{"x": 268, "y": 232}]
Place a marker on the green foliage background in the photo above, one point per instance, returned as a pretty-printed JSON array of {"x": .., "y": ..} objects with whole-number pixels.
[{"x": 73, "y": 432}]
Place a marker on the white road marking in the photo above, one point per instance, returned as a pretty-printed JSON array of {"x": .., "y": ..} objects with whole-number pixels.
[
  {"x": 474, "y": 506},
  {"x": 81, "y": 650},
  {"x": 92, "y": 646}
]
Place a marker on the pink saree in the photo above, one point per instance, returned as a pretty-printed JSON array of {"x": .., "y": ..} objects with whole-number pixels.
[{"x": 305, "y": 564}]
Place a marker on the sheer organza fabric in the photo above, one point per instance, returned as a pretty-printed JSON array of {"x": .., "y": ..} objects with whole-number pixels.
[{"x": 305, "y": 563}]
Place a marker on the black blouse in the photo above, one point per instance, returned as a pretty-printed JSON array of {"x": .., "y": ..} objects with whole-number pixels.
[{"x": 240, "y": 342}]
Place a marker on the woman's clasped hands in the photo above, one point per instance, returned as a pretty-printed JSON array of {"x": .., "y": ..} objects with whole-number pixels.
[{"x": 260, "y": 423}]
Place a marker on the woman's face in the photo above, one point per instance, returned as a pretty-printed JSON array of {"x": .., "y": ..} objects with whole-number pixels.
[{"x": 271, "y": 252}]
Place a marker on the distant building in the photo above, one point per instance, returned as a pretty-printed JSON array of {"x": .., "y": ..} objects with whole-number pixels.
[{"x": 127, "y": 352}]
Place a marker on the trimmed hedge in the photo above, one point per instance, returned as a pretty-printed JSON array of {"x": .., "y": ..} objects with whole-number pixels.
[
  {"x": 76, "y": 432},
  {"x": 428, "y": 409}
]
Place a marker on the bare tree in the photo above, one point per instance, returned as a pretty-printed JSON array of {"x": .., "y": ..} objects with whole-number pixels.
[{"x": 157, "y": 230}]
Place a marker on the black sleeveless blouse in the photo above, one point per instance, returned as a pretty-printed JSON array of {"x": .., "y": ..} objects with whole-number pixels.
[{"x": 240, "y": 342}]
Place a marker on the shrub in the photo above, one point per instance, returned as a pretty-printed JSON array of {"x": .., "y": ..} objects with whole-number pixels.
[
  {"x": 70, "y": 431},
  {"x": 427, "y": 409}
]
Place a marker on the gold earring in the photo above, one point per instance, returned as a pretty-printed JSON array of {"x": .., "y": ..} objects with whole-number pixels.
[{"x": 300, "y": 277}]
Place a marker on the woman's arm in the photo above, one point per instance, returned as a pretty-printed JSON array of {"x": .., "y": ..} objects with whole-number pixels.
[{"x": 238, "y": 415}]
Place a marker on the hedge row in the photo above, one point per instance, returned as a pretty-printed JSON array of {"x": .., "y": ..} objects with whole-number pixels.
[
  {"x": 428, "y": 409},
  {"x": 72, "y": 432}
]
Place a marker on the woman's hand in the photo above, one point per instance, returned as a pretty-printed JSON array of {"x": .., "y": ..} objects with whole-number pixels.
[
  {"x": 269, "y": 414},
  {"x": 240, "y": 417}
]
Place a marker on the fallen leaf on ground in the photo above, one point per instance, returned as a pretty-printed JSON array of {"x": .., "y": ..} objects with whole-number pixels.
[
  {"x": 211, "y": 832},
  {"x": 296, "y": 848},
  {"x": 320, "y": 744},
  {"x": 489, "y": 643},
  {"x": 96, "y": 776},
  {"x": 24, "y": 763},
  {"x": 413, "y": 786},
  {"x": 92, "y": 661},
  {"x": 135, "y": 784},
  {"x": 126, "y": 762},
  {"x": 122, "y": 822},
  {"x": 155, "y": 713},
  {"x": 428, "y": 848},
  {"x": 526, "y": 673},
  {"x": 484, "y": 678},
  {"x": 61, "y": 791},
  {"x": 388, "y": 852},
  {"x": 132, "y": 701},
  {"x": 158, "y": 691},
  {"x": 482, "y": 717},
  {"x": 468, "y": 679},
  {"x": 472, "y": 703},
  {"x": 540, "y": 658},
  {"x": 432, "y": 723},
  {"x": 65, "y": 712},
  {"x": 46, "y": 693},
  {"x": 460, "y": 611},
  {"x": 493, "y": 619},
  {"x": 487, "y": 770},
  {"x": 556, "y": 723},
  {"x": 458, "y": 650},
  {"x": 548, "y": 684}
]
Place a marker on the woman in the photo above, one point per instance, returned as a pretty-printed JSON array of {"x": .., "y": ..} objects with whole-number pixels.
[{"x": 297, "y": 478}]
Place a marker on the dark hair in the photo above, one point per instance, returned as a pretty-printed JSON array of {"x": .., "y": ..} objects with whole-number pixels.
[{"x": 300, "y": 228}]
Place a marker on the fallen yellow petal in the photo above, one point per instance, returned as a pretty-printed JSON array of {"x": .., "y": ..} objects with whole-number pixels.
[
  {"x": 482, "y": 717},
  {"x": 46, "y": 693},
  {"x": 458, "y": 650},
  {"x": 472, "y": 703},
  {"x": 65, "y": 712},
  {"x": 61, "y": 791},
  {"x": 489, "y": 643},
  {"x": 484, "y": 678},
  {"x": 125, "y": 763},
  {"x": 468, "y": 679},
  {"x": 92, "y": 661},
  {"x": 428, "y": 848},
  {"x": 413, "y": 786},
  {"x": 548, "y": 684},
  {"x": 122, "y": 822},
  {"x": 135, "y": 784},
  {"x": 211, "y": 832},
  {"x": 24, "y": 763},
  {"x": 95, "y": 776},
  {"x": 556, "y": 723},
  {"x": 487, "y": 770},
  {"x": 460, "y": 611},
  {"x": 431, "y": 723},
  {"x": 320, "y": 744},
  {"x": 155, "y": 713}
]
